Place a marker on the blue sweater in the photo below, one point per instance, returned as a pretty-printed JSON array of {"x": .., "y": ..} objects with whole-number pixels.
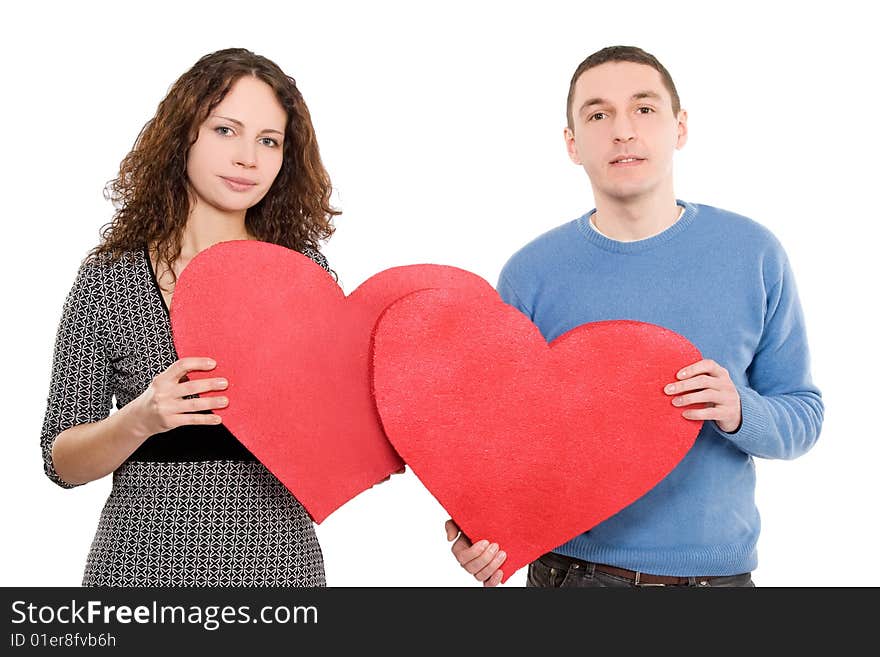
[{"x": 722, "y": 281}]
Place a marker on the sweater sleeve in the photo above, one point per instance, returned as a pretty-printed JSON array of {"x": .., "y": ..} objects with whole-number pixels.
[
  {"x": 80, "y": 384},
  {"x": 782, "y": 411},
  {"x": 509, "y": 296}
]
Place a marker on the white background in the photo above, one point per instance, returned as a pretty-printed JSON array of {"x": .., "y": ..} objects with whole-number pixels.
[{"x": 441, "y": 128}]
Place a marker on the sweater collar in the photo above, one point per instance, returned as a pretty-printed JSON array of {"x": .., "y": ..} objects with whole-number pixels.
[{"x": 638, "y": 246}]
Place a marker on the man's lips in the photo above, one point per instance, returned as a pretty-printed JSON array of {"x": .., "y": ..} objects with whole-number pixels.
[{"x": 626, "y": 160}]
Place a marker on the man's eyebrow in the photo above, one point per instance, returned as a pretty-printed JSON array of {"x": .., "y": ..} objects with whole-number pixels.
[
  {"x": 241, "y": 125},
  {"x": 646, "y": 94},
  {"x": 589, "y": 102}
]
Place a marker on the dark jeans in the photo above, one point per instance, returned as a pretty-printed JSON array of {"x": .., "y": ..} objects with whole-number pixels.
[{"x": 557, "y": 571}]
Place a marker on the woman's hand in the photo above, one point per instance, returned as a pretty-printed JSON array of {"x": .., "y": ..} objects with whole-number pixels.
[
  {"x": 162, "y": 406},
  {"x": 89, "y": 451}
]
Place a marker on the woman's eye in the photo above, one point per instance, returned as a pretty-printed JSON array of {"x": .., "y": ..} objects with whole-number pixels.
[
  {"x": 268, "y": 141},
  {"x": 223, "y": 130}
]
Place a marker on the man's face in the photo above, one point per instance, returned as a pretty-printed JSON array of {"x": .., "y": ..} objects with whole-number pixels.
[{"x": 625, "y": 131}]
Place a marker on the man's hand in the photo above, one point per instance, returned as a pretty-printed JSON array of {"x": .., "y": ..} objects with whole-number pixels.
[
  {"x": 481, "y": 560},
  {"x": 707, "y": 383}
]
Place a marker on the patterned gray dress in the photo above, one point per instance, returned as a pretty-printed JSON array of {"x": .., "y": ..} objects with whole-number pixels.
[{"x": 191, "y": 507}]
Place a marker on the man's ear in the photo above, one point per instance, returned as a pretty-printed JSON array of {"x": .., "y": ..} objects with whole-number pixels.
[
  {"x": 570, "y": 146},
  {"x": 682, "y": 129}
]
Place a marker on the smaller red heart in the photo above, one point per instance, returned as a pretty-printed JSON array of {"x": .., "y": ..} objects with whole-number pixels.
[{"x": 523, "y": 443}]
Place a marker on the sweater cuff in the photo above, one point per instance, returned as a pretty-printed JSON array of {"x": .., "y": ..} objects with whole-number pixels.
[{"x": 755, "y": 421}]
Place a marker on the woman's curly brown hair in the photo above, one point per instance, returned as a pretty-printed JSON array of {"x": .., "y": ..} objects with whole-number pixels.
[{"x": 151, "y": 194}]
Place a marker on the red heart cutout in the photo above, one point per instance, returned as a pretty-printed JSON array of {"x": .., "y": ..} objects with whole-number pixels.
[
  {"x": 523, "y": 443},
  {"x": 296, "y": 353}
]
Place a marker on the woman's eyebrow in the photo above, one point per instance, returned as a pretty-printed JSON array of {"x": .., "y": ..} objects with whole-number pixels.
[{"x": 240, "y": 124}]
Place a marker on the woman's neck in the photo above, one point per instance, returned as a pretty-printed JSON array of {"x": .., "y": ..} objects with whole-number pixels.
[{"x": 208, "y": 226}]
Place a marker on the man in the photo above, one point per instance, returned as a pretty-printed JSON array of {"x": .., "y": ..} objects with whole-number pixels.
[{"x": 721, "y": 280}]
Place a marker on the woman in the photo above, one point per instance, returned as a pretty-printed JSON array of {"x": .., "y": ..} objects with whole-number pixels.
[{"x": 230, "y": 154}]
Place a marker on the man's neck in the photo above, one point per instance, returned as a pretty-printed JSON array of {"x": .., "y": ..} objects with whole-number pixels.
[{"x": 637, "y": 219}]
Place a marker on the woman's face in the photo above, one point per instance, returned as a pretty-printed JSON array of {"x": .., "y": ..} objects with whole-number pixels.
[{"x": 239, "y": 148}]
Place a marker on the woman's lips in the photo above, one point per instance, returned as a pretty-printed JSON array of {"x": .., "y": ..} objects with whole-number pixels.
[{"x": 238, "y": 184}]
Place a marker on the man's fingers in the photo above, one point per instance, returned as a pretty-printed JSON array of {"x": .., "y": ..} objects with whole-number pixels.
[
  {"x": 466, "y": 552},
  {"x": 696, "y": 383},
  {"x": 711, "y": 413},
  {"x": 452, "y": 530},
  {"x": 705, "y": 366},
  {"x": 495, "y": 580},
  {"x": 489, "y": 571},
  {"x": 700, "y": 397},
  {"x": 481, "y": 560}
]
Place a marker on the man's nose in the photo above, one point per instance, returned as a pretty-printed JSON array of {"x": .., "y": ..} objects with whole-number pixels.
[{"x": 624, "y": 130}]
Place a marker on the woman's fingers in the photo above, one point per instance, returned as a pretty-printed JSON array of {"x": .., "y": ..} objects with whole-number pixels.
[
  {"x": 200, "y": 386},
  {"x": 180, "y": 368},
  {"x": 199, "y": 404}
]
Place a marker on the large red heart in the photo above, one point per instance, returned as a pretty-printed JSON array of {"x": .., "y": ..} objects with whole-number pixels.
[
  {"x": 295, "y": 351},
  {"x": 523, "y": 443}
]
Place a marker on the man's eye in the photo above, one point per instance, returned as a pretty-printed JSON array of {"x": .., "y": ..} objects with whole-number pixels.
[
  {"x": 598, "y": 116},
  {"x": 645, "y": 110}
]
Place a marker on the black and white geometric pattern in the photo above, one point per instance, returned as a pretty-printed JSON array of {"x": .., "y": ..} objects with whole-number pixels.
[
  {"x": 179, "y": 523},
  {"x": 204, "y": 523}
]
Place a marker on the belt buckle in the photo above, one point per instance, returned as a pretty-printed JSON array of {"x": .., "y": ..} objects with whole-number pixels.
[{"x": 637, "y": 581}]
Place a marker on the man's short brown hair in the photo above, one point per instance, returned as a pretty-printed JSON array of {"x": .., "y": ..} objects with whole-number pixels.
[{"x": 621, "y": 54}]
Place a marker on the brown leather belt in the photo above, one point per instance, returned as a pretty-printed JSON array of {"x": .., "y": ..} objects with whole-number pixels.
[
  {"x": 638, "y": 578},
  {"x": 635, "y": 577}
]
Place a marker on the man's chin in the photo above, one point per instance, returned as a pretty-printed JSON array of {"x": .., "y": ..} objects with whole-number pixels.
[{"x": 627, "y": 194}]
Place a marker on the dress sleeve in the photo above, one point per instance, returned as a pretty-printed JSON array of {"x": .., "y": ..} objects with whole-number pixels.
[
  {"x": 80, "y": 385},
  {"x": 317, "y": 256}
]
